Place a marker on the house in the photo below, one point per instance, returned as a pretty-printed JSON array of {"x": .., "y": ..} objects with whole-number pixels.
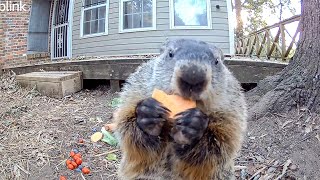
[{"x": 45, "y": 31}]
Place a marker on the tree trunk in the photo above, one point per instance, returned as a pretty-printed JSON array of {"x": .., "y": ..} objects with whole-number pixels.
[
  {"x": 238, "y": 8},
  {"x": 297, "y": 87}
]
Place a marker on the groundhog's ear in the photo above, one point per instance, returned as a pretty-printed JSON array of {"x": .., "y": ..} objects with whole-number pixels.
[
  {"x": 217, "y": 52},
  {"x": 164, "y": 45}
]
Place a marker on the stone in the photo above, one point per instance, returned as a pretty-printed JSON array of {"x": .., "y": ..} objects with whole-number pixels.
[{"x": 56, "y": 84}]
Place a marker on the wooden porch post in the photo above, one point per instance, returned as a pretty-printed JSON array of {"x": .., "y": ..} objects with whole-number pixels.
[{"x": 114, "y": 85}]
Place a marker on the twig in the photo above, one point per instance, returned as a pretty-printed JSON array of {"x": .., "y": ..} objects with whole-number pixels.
[
  {"x": 285, "y": 168},
  {"x": 60, "y": 163},
  {"x": 259, "y": 171},
  {"x": 240, "y": 167},
  {"x": 83, "y": 176},
  {"x": 305, "y": 138},
  {"x": 25, "y": 171},
  {"x": 28, "y": 168},
  {"x": 48, "y": 160},
  {"x": 254, "y": 152},
  {"x": 280, "y": 115},
  {"x": 112, "y": 151},
  {"x": 43, "y": 167}
]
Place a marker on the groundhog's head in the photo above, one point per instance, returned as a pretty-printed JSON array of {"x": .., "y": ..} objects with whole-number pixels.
[{"x": 191, "y": 67}]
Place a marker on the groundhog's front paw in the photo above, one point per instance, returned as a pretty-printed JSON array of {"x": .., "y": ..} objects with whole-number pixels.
[
  {"x": 189, "y": 126},
  {"x": 151, "y": 116}
]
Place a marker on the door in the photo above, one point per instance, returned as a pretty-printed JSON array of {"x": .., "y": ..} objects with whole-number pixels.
[{"x": 61, "y": 29}]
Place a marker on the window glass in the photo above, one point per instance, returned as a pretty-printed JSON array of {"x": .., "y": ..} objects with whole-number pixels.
[
  {"x": 137, "y": 21},
  {"x": 94, "y": 27},
  {"x": 87, "y": 15},
  {"x": 94, "y": 13},
  {"x": 101, "y": 25},
  {"x": 90, "y": 3},
  {"x": 137, "y": 14},
  {"x": 127, "y": 7},
  {"x": 127, "y": 21},
  {"x": 86, "y": 28},
  {"x": 190, "y": 13},
  {"x": 94, "y": 17},
  {"x": 147, "y": 6},
  {"x": 136, "y": 6},
  {"x": 147, "y": 19},
  {"x": 102, "y": 12}
]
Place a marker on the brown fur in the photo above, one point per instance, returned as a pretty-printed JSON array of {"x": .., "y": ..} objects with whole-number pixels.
[
  {"x": 222, "y": 125},
  {"x": 138, "y": 157},
  {"x": 225, "y": 129}
]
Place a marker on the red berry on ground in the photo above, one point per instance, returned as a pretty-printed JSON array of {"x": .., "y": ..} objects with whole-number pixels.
[
  {"x": 71, "y": 167},
  {"x": 62, "y": 178},
  {"x": 85, "y": 170},
  {"x": 72, "y": 154}
]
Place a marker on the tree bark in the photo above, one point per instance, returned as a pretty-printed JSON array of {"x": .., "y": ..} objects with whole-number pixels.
[
  {"x": 238, "y": 8},
  {"x": 298, "y": 85}
]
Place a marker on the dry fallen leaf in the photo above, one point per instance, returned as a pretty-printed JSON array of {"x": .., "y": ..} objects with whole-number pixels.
[
  {"x": 308, "y": 129},
  {"x": 285, "y": 123},
  {"x": 318, "y": 137},
  {"x": 239, "y": 167},
  {"x": 285, "y": 168},
  {"x": 112, "y": 157}
]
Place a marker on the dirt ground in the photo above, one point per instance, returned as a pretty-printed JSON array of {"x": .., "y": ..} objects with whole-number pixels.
[{"x": 37, "y": 133}]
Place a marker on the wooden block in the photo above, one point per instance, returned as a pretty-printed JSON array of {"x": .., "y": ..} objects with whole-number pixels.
[
  {"x": 56, "y": 84},
  {"x": 115, "y": 85}
]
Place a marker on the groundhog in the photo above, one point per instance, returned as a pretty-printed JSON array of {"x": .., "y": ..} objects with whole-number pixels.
[{"x": 202, "y": 142}]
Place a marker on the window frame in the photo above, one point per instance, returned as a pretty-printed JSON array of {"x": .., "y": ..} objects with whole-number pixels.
[
  {"x": 209, "y": 18},
  {"x": 106, "y": 4},
  {"x": 154, "y": 18}
]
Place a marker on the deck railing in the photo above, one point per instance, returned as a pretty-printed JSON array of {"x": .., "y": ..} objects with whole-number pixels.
[{"x": 272, "y": 42}]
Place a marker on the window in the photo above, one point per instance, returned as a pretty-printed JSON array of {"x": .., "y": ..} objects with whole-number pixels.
[
  {"x": 38, "y": 27},
  {"x": 137, "y": 15},
  {"x": 190, "y": 14},
  {"x": 94, "y": 17}
]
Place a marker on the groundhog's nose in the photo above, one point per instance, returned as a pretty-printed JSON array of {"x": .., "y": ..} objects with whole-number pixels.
[{"x": 192, "y": 79}]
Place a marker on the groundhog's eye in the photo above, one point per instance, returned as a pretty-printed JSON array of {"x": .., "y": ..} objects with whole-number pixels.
[
  {"x": 216, "y": 61},
  {"x": 171, "y": 54}
]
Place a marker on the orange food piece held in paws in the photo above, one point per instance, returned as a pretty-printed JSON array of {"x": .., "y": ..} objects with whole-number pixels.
[{"x": 176, "y": 104}]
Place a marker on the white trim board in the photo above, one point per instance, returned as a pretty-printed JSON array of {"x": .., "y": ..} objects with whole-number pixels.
[
  {"x": 71, "y": 5},
  {"x": 231, "y": 27},
  {"x": 52, "y": 30},
  {"x": 154, "y": 18}
]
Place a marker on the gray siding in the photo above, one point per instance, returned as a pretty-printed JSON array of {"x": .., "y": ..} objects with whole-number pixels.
[{"x": 116, "y": 43}]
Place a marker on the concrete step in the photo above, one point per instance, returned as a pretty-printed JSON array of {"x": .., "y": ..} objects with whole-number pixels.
[{"x": 56, "y": 84}]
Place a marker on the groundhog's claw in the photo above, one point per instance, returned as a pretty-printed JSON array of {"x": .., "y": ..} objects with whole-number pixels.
[
  {"x": 151, "y": 116},
  {"x": 189, "y": 126}
]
